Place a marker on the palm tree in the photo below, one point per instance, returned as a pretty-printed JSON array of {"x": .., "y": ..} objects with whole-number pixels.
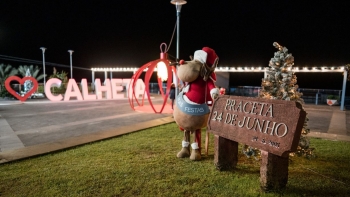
[
  {"x": 63, "y": 77},
  {"x": 5, "y": 72},
  {"x": 33, "y": 71},
  {"x": 30, "y": 71}
]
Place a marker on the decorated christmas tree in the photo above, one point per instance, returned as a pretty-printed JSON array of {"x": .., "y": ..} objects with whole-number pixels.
[
  {"x": 347, "y": 68},
  {"x": 281, "y": 83}
]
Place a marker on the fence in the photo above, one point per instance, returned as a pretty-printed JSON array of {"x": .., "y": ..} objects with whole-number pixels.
[{"x": 316, "y": 96}]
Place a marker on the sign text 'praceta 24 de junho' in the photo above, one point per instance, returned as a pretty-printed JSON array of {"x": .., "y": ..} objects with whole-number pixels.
[{"x": 271, "y": 125}]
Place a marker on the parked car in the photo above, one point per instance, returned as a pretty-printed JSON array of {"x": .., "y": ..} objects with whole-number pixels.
[
  {"x": 37, "y": 95},
  {"x": 34, "y": 95}
]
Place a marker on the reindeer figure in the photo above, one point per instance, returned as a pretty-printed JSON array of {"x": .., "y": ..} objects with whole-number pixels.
[{"x": 191, "y": 111}]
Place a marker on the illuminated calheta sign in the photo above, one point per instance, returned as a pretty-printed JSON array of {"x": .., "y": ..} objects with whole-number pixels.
[{"x": 111, "y": 87}]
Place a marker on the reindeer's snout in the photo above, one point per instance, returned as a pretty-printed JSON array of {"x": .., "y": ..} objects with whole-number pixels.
[{"x": 188, "y": 71}]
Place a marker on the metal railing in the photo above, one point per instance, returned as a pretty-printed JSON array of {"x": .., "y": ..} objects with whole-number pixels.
[{"x": 316, "y": 96}]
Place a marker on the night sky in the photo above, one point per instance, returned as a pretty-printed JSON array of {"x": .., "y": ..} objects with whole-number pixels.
[{"x": 129, "y": 32}]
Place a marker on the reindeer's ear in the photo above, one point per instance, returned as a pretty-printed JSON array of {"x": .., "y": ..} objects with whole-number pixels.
[
  {"x": 216, "y": 62},
  {"x": 205, "y": 78},
  {"x": 191, "y": 57}
]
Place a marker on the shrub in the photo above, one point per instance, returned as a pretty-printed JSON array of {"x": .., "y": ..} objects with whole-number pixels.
[{"x": 333, "y": 97}]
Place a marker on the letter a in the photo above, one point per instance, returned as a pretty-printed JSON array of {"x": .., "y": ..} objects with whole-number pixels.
[{"x": 72, "y": 91}]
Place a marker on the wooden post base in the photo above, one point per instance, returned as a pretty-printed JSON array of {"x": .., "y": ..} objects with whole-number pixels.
[
  {"x": 273, "y": 171},
  {"x": 226, "y": 153}
]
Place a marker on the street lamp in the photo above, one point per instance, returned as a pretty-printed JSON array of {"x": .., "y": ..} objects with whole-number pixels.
[
  {"x": 71, "y": 68},
  {"x": 178, "y": 4},
  {"x": 43, "y": 49}
]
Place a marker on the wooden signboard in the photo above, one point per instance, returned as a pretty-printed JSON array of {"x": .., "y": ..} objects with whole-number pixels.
[{"x": 271, "y": 125}]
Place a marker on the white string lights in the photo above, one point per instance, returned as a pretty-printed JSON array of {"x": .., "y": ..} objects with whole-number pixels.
[{"x": 234, "y": 69}]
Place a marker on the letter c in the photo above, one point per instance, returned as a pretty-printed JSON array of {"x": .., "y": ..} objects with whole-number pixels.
[{"x": 53, "y": 82}]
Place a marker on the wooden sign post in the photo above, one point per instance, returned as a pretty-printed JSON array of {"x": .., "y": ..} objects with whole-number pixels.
[{"x": 273, "y": 126}]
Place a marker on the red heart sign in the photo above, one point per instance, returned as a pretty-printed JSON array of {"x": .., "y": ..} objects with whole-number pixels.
[{"x": 21, "y": 81}]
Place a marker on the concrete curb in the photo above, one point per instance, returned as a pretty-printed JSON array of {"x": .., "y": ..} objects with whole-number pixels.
[
  {"x": 36, "y": 150},
  {"x": 329, "y": 136}
]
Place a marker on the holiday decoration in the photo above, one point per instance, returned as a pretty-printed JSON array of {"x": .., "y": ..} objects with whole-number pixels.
[
  {"x": 191, "y": 110},
  {"x": 164, "y": 72},
  {"x": 347, "y": 68},
  {"x": 21, "y": 82},
  {"x": 281, "y": 83},
  {"x": 222, "y": 91}
]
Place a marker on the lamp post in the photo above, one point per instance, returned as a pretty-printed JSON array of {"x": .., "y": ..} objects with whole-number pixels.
[
  {"x": 71, "y": 68},
  {"x": 43, "y": 49},
  {"x": 178, "y": 4}
]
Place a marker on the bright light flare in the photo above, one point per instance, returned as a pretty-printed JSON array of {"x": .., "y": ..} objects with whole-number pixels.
[{"x": 162, "y": 71}]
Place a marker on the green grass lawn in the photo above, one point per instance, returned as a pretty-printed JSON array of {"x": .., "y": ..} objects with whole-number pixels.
[{"x": 145, "y": 164}]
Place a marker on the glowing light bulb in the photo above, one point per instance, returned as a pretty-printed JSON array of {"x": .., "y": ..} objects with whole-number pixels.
[{"x": 162, "y": 71}]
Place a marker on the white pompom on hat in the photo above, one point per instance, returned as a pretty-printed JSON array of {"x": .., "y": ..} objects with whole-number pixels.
[{"x": 206, "y": 55}]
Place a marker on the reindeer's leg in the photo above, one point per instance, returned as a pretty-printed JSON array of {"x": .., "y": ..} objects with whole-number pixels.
[
  {"x": 206, "y": 143},
  {"x": 198, "y": 135},
  {"x": 185, "y": 151},
  {"x": 196, "y": 146}
]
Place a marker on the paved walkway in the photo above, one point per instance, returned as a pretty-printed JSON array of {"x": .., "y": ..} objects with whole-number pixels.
[
  {"x": 328, "y": 122},
  {"x": 36, "y": 127}
]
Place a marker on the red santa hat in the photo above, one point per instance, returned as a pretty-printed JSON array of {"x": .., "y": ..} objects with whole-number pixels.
[
  {"x": 206, "y": 55},
  {"x": 211, "y": 56}
]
